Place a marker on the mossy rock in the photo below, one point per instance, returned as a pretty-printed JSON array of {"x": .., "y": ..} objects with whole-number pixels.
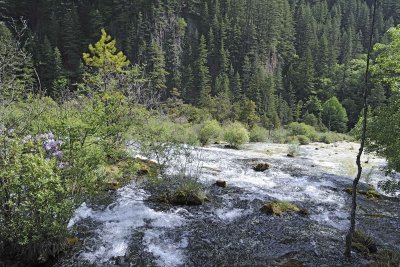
[
  {"x": 221, "y": 183},
  {"x": 280, "y": 207},
  {"x": 370, "y": 194},
  {"x": 260, "y": 167},
  {"x": 71, "y": 241},
  {"x": 147, "y": 167},
  {"x": 373, "y": 194},
  {"x": 363, "y": 243},
  {"x": 191, "y": 199}
]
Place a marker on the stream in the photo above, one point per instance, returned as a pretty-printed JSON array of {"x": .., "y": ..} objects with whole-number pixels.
[{"x": 230, "y": 230}]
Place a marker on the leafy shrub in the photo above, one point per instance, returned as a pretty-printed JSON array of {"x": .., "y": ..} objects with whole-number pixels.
[
  {"x": 279, "y": 136},
  {"x": 236, "y": 134},
  {"x": 258, "y": 134},
  {"x": 36, "y": 200},
  {"x": 297, "y": 128},
  {"x": 210, "y": 131},
  {"x": 326, "y": 138},
  {"x": 303, "y": 140}
]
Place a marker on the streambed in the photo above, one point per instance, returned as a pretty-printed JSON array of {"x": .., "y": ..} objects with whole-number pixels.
[{"x": 230, "y": 230}]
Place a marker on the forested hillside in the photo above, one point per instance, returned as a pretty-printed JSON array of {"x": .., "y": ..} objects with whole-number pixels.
[{"x": 286, "y": 56}]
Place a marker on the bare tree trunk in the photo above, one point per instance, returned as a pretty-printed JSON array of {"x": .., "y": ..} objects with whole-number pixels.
[{"x": 349, "y": 235}]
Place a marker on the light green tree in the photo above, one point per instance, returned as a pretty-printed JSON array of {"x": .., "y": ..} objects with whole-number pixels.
[
  {"x": 334, "y": 115},
  {"x": 105, "y": 60},
  {"x": 386, "y": 67}
]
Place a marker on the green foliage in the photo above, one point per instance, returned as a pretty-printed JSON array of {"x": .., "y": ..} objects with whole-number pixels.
[
  {"x": 258, "y": 134},
  {"x": 35, "y": 203},
  {"x": 236, "y": 134},
  {"x": 386, "y": 67},
  {"x": 303, "y": 140},
  {"x": 297, "y": 128},
  {"x": 334, "y": 115},
  {"x": 383, "y": 134},
  {"x": 104, "y": 56},
  {"x": 105, "y": 61},
  {"x": 210, "y": 132}
]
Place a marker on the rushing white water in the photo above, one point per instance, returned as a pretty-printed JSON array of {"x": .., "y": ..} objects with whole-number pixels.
[
  {"x": 320, "y": 167},
  {"x": 119, "y": 220}
]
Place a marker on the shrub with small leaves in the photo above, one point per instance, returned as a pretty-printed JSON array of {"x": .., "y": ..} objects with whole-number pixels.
[
  {"x": 236, "y": 134},
  {"x": 258, "y": 134},
  {"x": 210, "y": 132}
]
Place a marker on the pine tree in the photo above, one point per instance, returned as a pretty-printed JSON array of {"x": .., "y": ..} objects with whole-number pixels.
[{"x": 202, "y": 74}]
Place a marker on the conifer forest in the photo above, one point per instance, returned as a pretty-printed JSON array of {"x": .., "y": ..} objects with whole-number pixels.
[{"x": 199, "y": 133}]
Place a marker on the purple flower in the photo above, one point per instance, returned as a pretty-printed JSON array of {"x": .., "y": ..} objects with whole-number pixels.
[{"x": 58, "y": 154}]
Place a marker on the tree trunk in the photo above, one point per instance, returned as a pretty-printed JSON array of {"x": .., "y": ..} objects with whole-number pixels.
[{"x": 349, "y": 235}]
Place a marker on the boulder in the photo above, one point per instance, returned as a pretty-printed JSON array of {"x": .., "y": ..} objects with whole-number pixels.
[
  {"x": 220, "y": 183},
  {"x": 260, "y": 167},
  {"x": 280, "y": 207}
]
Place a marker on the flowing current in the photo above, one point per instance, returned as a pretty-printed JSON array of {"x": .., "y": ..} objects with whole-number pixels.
[{"x": 230, "y": 230}]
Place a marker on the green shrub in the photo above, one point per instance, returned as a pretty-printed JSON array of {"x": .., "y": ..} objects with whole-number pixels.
[
  {"x": 258, "y": 134},
  {"x": 297, "y": 128},
  {"x": 210, "y": 132},
  {"x": 36, "y": 199},
  {"x": 326, "y": 138},
  {"x": 303, "y": 140},
  {"x": 236, "y": 134},
  {"x": 279, "y": 136},
  {"x": 291, "y": 139}
]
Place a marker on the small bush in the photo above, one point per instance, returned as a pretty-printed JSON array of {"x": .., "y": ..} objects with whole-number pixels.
[
  {"x": 211, "y": 131},
  {"x": 303, "y": 140},
  {"x": 279, "y": 136},
  {"x": 236, "y": 134},
  {"x": 297, "y": 128},
  {"x": 258, "y": 134},
  {"x": 326, "y": 138},
  {"x": 293, "y": 150}
]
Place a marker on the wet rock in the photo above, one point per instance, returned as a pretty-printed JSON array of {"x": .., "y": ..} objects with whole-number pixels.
[
  {"x": 292, "y": 263},
  {"x": 278, "y": 208},
  {"x": 260, "y": 167},
  {"x": 220, "y": 183},
  {"x": 180, "y": 198},
  {"x": 290, "y": 155},
  {"x": 363, "y": 243}
]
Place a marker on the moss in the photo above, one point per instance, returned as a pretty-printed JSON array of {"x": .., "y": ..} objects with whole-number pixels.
[
  {"x": 370, "y": 194},
  {"x": 280, "y": 207},
  {"x": 190, "y": 193},
  {"x": 385, "y": 257},
  {"x": 260, "y": 167},
  {"x": 71, "y": 241},
  {"x": 373, "y": 194},
  {"x": 363, "y": 243}
]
